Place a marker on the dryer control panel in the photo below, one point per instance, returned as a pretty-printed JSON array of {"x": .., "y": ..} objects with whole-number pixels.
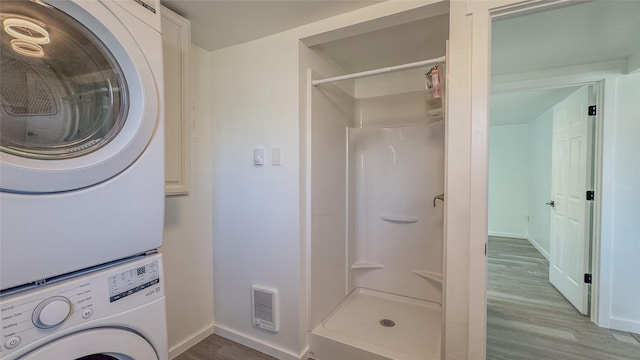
[{"x": 31, "y": 318}]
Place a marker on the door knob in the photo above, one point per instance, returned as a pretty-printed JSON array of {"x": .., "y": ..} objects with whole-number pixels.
[{"x": 551, "y": 203}]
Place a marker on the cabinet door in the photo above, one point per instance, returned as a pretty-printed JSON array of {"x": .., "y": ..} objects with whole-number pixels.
[{"x": 176, "y": 41}]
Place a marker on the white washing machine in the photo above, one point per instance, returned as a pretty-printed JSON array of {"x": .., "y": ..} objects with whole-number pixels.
[
  {"x": 114, "y": 313},
  {"x": 81, "y": 135}
]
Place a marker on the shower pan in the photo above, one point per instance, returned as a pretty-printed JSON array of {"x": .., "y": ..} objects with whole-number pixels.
[{"x": 371, "y": 324}]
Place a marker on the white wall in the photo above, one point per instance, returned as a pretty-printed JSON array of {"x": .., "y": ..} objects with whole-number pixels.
[
  {"x": 259, "y": 213},
  {"x": 256, "y": 222},
  {"x": 520, "y": 181},
  {"x": 509, "y": 166},
  {"x": 187, "y": 248},
  {"x": 332, "y": 113},
  {"x": 625, "y": 267},
  {"x": 539, "y": 173},
  {"x": 325, "y": 147}
]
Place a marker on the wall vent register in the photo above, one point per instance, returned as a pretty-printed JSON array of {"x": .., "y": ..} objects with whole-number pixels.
[{"x": 265, "y": 308}]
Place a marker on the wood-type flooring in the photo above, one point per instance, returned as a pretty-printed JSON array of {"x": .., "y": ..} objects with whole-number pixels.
[
  {"x": 216, "y": 347},
  {"x": 527, "y": 318}
]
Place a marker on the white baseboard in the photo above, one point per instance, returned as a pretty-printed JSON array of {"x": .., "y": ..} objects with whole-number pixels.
[
  {"x": 625, "y": 325},
  {"x": 507, "y": 235},
  {"x": 259, "y": 345},
  {"x": 305, "y": 354},
  {"x": 538, "y": 247},
  {"x": 184, "y": 345}
]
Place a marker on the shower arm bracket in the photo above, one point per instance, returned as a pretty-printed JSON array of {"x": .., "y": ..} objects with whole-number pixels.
[{"x": 438, "y": 197}]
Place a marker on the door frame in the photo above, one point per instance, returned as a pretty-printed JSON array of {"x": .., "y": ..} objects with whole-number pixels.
[
  {"x": 597, "y": 147},
  {"x": 468, "y": 67},
  {"x": 604, "y": 85}
]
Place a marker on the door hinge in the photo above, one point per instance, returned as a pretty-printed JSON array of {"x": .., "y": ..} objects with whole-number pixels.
[
  {"x": 592, "y": 110},
  {"x": 587, "y": 278},
  {"x": 590, "y": 195}
]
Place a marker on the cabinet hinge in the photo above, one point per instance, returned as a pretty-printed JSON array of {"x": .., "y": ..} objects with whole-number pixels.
[
  {"x": 587, "y": 278},
  {"x": 590, "y": 195},
  {"x": 592, "y": 110}
]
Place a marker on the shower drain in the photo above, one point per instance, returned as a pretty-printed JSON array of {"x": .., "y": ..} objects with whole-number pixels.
[{"x": 387, "y": 323}]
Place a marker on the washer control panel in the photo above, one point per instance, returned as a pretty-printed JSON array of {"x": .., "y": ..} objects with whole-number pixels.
[
  {"x": 131, "y": 281},
  {"x": 54, "y": 310}
]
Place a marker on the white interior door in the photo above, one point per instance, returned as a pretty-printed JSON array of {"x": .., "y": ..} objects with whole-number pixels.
[{"x": 570, "y": 211}]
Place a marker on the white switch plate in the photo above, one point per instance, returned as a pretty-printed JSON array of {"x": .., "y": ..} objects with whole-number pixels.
[
  {"x": 276, "y": 156},
  {"x": 258, "y": 155}
]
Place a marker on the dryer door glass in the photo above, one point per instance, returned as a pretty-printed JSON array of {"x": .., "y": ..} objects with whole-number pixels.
[{"x": 62, "y": 93}]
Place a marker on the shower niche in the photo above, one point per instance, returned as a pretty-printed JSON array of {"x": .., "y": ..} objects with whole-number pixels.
[{"x": 375, "y": 155}]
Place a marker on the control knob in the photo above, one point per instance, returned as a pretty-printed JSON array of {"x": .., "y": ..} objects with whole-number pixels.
[{"x": 51, "y": 312}]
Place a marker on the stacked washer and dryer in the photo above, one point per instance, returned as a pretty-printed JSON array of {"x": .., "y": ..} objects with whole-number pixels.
[{"x": 81, "y": 180}]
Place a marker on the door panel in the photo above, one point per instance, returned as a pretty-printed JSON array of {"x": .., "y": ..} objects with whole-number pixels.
[{"x": 570, "y": 218}]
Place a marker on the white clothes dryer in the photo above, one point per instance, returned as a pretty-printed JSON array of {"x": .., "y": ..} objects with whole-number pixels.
[
  {"x": 81, "y": 135},
  {"x": 114, "y": 313}
]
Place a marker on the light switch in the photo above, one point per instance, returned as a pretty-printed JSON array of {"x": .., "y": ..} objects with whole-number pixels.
[
  {"x": 276, "y": 156},
  {"x": 258, "y": 155}
]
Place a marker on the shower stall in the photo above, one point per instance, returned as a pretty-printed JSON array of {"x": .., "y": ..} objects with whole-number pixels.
[
  {"x": 375, "y": 197},
  {"x": 376, "y": 218}
]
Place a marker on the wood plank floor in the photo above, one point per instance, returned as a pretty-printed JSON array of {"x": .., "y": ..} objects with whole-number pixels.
[
  {"x": 216, "y": 347},
  {"x": 529, "y": 319}
]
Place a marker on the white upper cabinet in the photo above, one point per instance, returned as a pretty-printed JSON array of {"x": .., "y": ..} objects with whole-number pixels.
[{"x": 176, "y": 41}]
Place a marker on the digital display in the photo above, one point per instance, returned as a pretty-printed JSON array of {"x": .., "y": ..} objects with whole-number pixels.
[{"x": 130, "y": 282}]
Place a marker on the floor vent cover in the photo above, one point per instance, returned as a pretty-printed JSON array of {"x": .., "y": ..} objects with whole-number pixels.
[{"x": 265, "y": 308}]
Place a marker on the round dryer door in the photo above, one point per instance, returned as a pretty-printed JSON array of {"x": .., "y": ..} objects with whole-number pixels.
[
  {"x": 96, "y": 344},
  {"x": 78, "y": 99}
]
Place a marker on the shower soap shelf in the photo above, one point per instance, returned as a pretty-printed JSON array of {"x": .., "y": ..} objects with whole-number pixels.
[
  {"x": 366, "y": 265},
  {"x": 399, "y": 219},
  {"x": 428, "y": 275}
]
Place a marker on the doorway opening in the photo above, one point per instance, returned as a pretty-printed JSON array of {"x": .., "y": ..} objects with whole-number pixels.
[
  {"x": 531, "y": 53},
  {"x": 541, "y": 179}
]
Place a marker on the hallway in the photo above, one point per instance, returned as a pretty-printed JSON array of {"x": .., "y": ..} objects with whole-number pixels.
[{"x": 527, "y": 318}]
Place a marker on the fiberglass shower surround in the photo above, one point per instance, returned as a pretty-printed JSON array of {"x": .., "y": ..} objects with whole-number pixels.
[
  {"x": 390, "y": 306},
  {"x": 395, "y": 231}
]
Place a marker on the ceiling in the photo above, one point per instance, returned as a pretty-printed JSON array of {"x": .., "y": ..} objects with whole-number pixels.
[
  {"x": 525, "y": 106},
  {"x": 580, "y": 34},
  {"x": 401, "y": 44},
  {"x": 576, "y": 34},
  {"x": 216, "y": 24},
  {"x": 572, "y": 35}
]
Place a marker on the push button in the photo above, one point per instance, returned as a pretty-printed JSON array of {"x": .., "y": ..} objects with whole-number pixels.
[
  {"x": 12, "y": 342},
  {"x": 86, "y": 313}
]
